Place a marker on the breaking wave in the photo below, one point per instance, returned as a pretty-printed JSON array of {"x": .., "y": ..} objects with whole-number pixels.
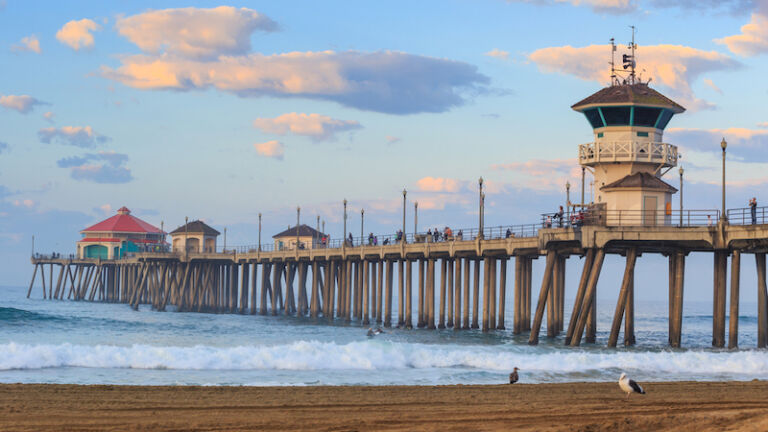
[{"x": 386, "y": 355}]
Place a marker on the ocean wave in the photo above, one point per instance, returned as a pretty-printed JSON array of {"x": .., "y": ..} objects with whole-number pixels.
[
  {"x": 9, "y": 315},
  {"x": 378, "y": 355}
]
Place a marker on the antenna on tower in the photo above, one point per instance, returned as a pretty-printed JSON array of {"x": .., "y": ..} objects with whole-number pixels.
[
  {"x": 613, "y": 63},
  {"x": 629, "y": 59}
]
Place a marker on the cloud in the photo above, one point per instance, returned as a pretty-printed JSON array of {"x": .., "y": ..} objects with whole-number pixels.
[
  {"x": 542, "y": 174},
  {"x": 601, "y": 6},
  {"x": 105, "y": 209},
  {"x": 272, "y": 149},
  {"x": 29, "y": 44},
  {"x": 195, "y": 33},
  {"x": 20, "y": 103},
  {"x": 77, "y": 34},
  {"x": 78, "y": 136},
  {"x": 101, "y": 167},
  {"x": 384, "y": 81},
  {"x": 748, "y": 145},
  {"x": 673, "y": 67},
  {"x": 3, "y": 146},
  {"x": 763, "y": 125},
  {"x": 392, "y": 139},
  {"x": 753, "y": 39},
  {"x": 317, "y": 126},
  {"x": 712, "y": 85},
  {"x": 48, "y": 116},
  {"x": 26, "y": 203},
  {"x": 497, "y": 53},
  {"x": 438, "y": 184}
]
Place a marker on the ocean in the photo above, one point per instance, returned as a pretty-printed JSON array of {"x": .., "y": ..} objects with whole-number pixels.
[{"x": 43, "y": 341}]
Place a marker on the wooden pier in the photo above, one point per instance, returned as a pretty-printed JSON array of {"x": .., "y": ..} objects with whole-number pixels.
[{"x": 356, "y": 284}]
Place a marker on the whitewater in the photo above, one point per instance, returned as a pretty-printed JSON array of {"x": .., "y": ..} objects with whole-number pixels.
[{"x": 89, "y": 343}]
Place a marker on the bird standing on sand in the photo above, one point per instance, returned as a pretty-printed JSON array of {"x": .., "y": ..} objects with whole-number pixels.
[
  {"x": 513, "y": 376},
  {"x": 629, "y": 386}
]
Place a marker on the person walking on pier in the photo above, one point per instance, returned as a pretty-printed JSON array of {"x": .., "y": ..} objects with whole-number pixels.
[
  {"x": 559, "y": 216},
  {"x": 753, "y": 210},
  {"x": 350, "y": 240}
]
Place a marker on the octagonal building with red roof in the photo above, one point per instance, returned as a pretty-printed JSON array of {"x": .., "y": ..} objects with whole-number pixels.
[{"x": 118, "y": 235}]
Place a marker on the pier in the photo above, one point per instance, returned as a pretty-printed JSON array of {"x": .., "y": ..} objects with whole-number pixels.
[{"x": 459, "y": 283}]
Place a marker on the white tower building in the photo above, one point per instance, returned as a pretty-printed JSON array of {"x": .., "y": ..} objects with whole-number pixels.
[{"x": 628, "y": 156}]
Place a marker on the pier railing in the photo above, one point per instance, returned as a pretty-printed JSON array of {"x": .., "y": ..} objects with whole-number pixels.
[
  {"x": 628, "y": 151},
  {"x": 743, "y": 216},
  {"x": 690, "y": 218},
  {"x": 469, "y": 234}
]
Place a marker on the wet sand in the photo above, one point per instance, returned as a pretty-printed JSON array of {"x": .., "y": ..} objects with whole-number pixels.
[{"x": 682, "y": 406}]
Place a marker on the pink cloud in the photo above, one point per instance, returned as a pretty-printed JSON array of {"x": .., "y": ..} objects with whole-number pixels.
[
  {"x": 438, "y": 184},
  {"x": 753, "y": 39},
  {"x": 541, "y": 174},
  {"x": 29, "y": 44},
  {"x": 317, "y": 126},
  {"x": 271, "y": 149},
  {"x": 77, "y": 34}
]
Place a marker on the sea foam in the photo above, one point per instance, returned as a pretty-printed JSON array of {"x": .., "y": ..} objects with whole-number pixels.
[{"x": 386, "y": 355}]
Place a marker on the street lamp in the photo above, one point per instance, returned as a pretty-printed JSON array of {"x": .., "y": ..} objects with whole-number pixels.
[
  {"x": 583, "y": 169},
  {"x": 186, "y": 235},
  {"x": 298, "y": 218},
  {"x": 723, "y": 145},
  {"x": 681, "y": 170},
  {"x": 362, "y": 223},
  {"x": 568, "y": 200},
  {"x": 415, "y": 218},
  {"x": 344, "y": 234},
  {"x": 259, "y": 247},
  {"x": 225, "y": 239},
  {"x": 404, "y": 194},
  {"x": 480, "y": 212}
]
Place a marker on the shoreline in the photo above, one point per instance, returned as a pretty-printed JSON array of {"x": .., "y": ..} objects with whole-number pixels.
[{"x": 588, "y": 406}]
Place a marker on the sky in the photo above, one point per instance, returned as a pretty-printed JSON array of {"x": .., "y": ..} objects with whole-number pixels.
[{"x": 222, "y": 111}]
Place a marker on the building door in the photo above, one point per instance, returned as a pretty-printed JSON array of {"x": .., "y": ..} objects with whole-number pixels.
[{"x": 650, "y": 208}]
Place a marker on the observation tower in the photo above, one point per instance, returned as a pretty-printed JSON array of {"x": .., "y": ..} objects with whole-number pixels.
[{"x": 628, "y": 156}]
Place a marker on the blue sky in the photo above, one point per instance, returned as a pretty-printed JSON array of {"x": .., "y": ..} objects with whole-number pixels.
[{"x": 222, "y": 111}]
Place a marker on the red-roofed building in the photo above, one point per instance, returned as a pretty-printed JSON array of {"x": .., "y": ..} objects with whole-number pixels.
[{"x": 120, "y": 234}]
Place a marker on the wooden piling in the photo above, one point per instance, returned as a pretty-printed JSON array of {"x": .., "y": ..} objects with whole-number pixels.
[
  {"x": 580, "y": 292},
  {"x": 400, "y": 292},
  {"x": 421, "y": 318},
  {"x": 517, "y": 319},
  {"x": 443, "y": 289},
  {"x": 587, "y": 304},
  {"x": 677, "y": 301},
  {"x": 621, "y": 303},
  {"x": 476, "y": 296},
  {"x": 733, "y": 319},
  {"x": 408, "y": 294},
  {"x": 366, "y": 292},
  {"x": 546, "y": 283},
  {"x": 486, "y": 292},
  {"x": 457, "y": 295},
  {"x": 502, "y": 292},
  {"x": 718, "y": 300},
  {"x": 449, "y": 294},
  {"x": 388, "y": 294},
  {"x": 430, "y": 300},
  {"x": 379, "y": 291},
  {"x": 762, "y": 302},
  {"x": 492, "y": 296}
]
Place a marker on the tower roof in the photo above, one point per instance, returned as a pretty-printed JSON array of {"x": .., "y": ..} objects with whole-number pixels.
[
  {"x": 123, "y": 222},
  {"x": 640, "y": 180},
  {"x": 304, "y": 231},
  {"x": 629, "y": 94},
  {"x": 196, "y": 227}
]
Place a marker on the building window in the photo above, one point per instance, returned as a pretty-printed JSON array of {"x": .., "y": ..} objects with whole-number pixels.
[
  {"x": 599, "y": 134},
  {"x": 616, "y": 116},
  {"x": 642, "y": 134},
  {"x": 593, "y": 116},
  {"x": 646, "y": 116},
  {"x": 664, "y": 119}
]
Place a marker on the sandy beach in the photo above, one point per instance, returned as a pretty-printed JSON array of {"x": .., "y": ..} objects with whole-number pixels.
[{"x": 681, "y": 406}]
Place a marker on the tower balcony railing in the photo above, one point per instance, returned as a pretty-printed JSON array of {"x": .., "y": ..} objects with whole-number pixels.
[{"x": 628, "y": 151}]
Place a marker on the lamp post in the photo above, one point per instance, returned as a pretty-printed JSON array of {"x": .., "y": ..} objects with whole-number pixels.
[
  {"x": 225, "y": 239},
  {"x": 33, "y": 245},
  {"x": 298, "y": 218},
  {"x": 259, "y": 247},
  {"x": 480, "y": 212},
  {"x": 362, "y": 223},
  {"x": 186, "y": 236},
  {"x": 723, "y": 145},
  {"x": 681, "y": 170},
  {"x": 344, "y": 234},
  {"x": 415, "y": 218},
  {"x": 317, "y": 234},
  {"x": 582, "y": 187},
  {"x": 568, "y": 200},
  {"x": 404, "y": 194}
]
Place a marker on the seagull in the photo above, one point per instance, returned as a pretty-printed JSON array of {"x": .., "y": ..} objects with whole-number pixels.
[
  {"x": 513, "y": 376},
  {"x": 629, "y": 386}
]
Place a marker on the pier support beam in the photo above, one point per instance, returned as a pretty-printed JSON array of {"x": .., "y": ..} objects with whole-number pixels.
[
  {"x": 733, "y": 319},
  {"x": 517, "y": 319},
  {"x": 465, "y": 320},
  {"x": 443, "y": 289},
  {"x": 762, "y": 302},
  {"x": 621, "y": 304},
  {"x": 457, "y": 295},
  {"x": 676, "y": 319},
  {"x": 476, "y": 296},
  {"x": 430, "y": 300},
  {"x": 486, "y": 292},
  {"x": 546, "y": 285},
  {"x": 366, "y": 292},
  {"x": 400, "y": 292},
  {"x": 718, "y": 300},
  {"x": 449, "y": 293},
  {"x": 580, "y": 292},
  {"x": 408, "y": 294},
  {"x": 421, "y": 321},
  {"x": 502, "y": 292},
  {"x": 588, "y": 302}
]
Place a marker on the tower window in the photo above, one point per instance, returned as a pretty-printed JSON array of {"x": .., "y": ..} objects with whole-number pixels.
[
  {"x": 646, "y": 116},
  {"x": 593, "y": 116},
  {"x": 664, "y": 119},
  {"x": 616, "y": 116},
  {"x": 642, "y": 134}
]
